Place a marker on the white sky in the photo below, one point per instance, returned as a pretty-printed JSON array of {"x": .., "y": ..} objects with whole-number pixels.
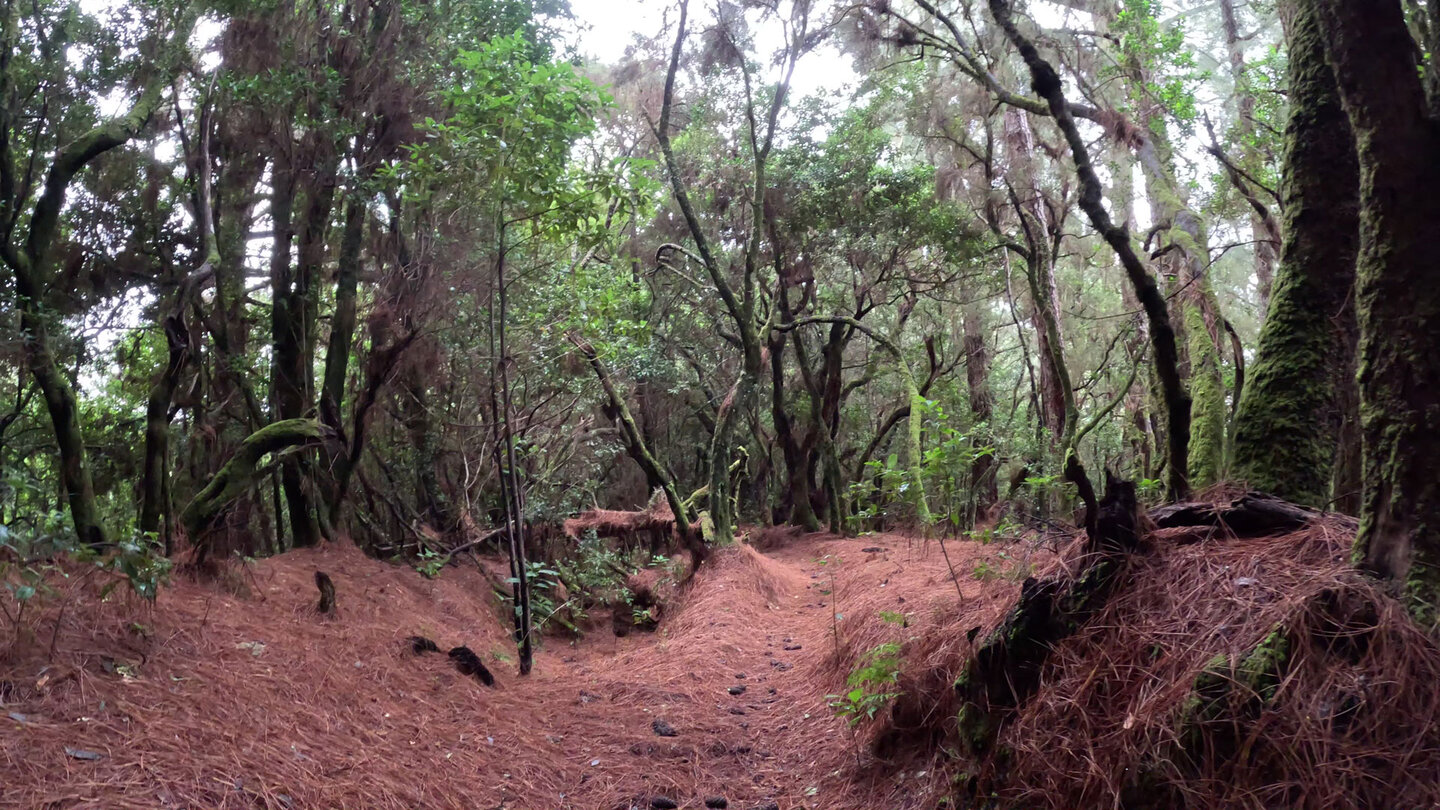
[{"x": 614, "y": 23}]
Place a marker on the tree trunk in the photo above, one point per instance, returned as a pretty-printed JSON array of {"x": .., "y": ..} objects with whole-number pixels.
[
  {"x": 984, "y": 490},
  {"x": 1162, "y": 335},
  {"x": 337, "y": 353},
  {"x": 1004, "y": 673},
  {"x": 157, "y": 418},
  {"x": 825, "y": 422},
  {"x": 60, "y": 403},
  {"x": 1207, "y": 387},
  {"x": 1397, "y": 297},
  {"x": 795, "y": 506},
  {"x": 635, "y": 445},
  {"x": 1285, "y": 436},
  {"x": 1262, "y": 228},
  {"x": 31, "y": 266},
  {"x": 430, "y": 500},
  {"x": 1183, "y": 250},
  {"x": 1057, "y": 394},
  {"x": 289, "y": 322},
  {"x": 506, "y": 462},
  {"x": 242, "y": 471}
]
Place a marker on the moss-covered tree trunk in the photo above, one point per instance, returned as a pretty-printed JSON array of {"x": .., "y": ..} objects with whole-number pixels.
[
  {"x": 1057, "y": 393},
  {"x": 1207, "y": 386},
  {"x": 984, "y": 490},
  {"x": 1182, "y": 244},
  {"x": 1397, "y": 294},
  {"x": 1286, "y": 428},
  {"x": 242, "y": 471},
  {"x": 31, "y": 256}
]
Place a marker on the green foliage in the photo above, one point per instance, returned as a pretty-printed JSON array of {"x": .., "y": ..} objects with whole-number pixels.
[
  {"x": 1005, "y": 527},
  {"x": 1150, "y": 490},
  {"x": 871, "y": 684},
  {"x": 948, "y": 464},
  {"x": 882, "y": 490},
  {"x": 430, "y": 563},
  {"x": 542, "y": 580},
  {"x": 1158, "y": 51},
  {"x": 1004, "y": 567},
  {"x": 511, "y": 127},
  {"x": 33, "y": 558},
  {"x": 894, "y": 617},
  {"x": 592, "y": 568},
  {"x": 140, "y": 561}
]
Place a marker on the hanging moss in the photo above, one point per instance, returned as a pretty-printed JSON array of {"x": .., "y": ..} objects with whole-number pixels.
[{"x": 1207, "y": 410}]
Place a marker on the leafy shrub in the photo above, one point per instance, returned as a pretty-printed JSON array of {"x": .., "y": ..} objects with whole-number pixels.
[
  {"x": 30, "y": 562},
  {"x": 871, "y": 684}
]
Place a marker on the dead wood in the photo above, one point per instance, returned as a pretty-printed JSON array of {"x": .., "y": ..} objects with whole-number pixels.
[{"x": 1254, "y": 514}]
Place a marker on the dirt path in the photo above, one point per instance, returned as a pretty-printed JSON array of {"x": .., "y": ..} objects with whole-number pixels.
[{"x": 185, "y": 710}]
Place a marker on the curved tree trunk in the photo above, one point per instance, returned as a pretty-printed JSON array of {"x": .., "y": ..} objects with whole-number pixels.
[
  {"x": 635, "y": 445},
  {"x": 31, "y": 262},
  {"x": 242, "y": 471},
  {"x": 1162, "y": 335}
]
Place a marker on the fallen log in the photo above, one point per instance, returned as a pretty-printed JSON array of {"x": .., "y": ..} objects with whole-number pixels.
[
  {"x": 1253, "y": 514},
  {"x": 656, "y": 517}
]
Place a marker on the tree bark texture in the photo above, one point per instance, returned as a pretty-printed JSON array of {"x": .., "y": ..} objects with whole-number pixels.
[
  {"x": 1397, "y": 138},
  {"x": 1286, "y": 430}
]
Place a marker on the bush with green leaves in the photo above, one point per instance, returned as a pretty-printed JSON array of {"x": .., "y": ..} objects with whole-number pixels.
[
  {"x": 31, "y": 561},
  {"x": 871, "y": 686},
  {"x": 430, "y": 562},
  {"x": 542, "y": 580},
  {"x": 1004, "y": 568}
]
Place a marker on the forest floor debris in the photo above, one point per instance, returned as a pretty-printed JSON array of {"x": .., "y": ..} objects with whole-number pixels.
[
  {"x": 1225, "y": 672},
  {"x": 1147, "y": 702},
  {"x": 341, "y": 712}
]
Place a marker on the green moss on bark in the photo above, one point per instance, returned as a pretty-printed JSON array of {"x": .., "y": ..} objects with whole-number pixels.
[
  {"x": 242, "y": 470},
  {"x": 1207, "y": 409},
  {"x": 1262, "y": 669},
  {"x": 1228, "y": 688},
  {"x": 1397, "y": 299},
  {"x": 1285, "y": 430}
]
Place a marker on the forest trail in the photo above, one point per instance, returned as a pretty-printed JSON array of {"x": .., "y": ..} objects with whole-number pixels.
[{"x": 217, "y": 700}]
